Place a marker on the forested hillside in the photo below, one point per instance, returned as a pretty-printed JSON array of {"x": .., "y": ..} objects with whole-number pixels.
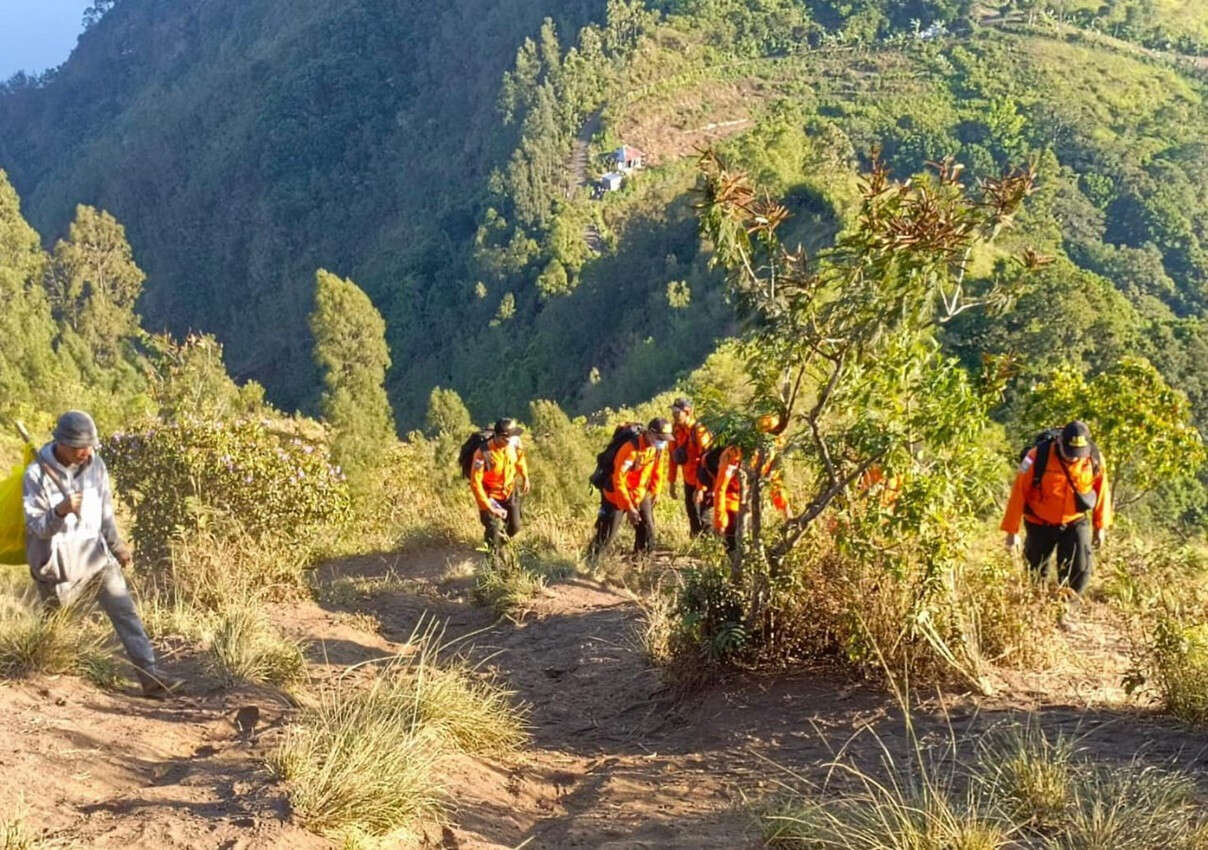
[{"x": 429, "y": 153}]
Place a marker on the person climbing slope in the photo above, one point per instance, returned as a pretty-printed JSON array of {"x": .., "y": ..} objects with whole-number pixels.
[
  {"x": 634, "y": 476},
  {"x": 692, "y": 440},
  {"x": 728, "y": 490},
  {"x": 1063, "y": 498},
  {"x": 498, "y": 477}
]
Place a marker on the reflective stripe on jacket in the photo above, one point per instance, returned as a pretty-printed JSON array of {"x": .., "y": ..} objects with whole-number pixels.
[
  {"x": 1052, "y": 503},
  {"x": 495, "y": 470}
]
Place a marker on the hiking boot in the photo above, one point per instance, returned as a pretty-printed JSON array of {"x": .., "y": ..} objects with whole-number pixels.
[{"x": 156, "y": 685}]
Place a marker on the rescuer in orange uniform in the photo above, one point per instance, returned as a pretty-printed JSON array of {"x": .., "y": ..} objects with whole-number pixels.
[
  {"x": 1062, "y": 496},
  {"x": 692, "y": 440},
  {"x": 727, "y": 488},
  {"x": 638, "y": 473},
  {"x": 498, "y": 476}
]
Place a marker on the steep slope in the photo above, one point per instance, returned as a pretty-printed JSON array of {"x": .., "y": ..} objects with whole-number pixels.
[{"x": 247, "y": 143}]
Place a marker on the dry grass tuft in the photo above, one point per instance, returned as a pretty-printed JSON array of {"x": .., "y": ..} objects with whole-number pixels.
[
  {"x": 371, "y": 760},
  {"x": 64, "y": 641},
  {"x": 245, "y": 647},
  {"x": 15, "y": 836},
  {"x": 1023, "y": 791}
]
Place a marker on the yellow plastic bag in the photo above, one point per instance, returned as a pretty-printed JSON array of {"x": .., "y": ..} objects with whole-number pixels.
[{"x": 12, "y": 514}]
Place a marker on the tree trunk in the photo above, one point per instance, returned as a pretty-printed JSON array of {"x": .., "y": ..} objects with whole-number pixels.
[{"x": 739, "y": 526}]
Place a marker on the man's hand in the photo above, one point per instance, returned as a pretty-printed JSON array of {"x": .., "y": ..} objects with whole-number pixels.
[
  {"x": 635, "y": 518},
  {"x": 526, "y": 487},
  {"x": 699, "y": 496},
  {"x": 1012, "y": 543},
  {"x": 122, "y": 553},
  {"x": 70, "y": 505},
  {"x": 1099, "y": 536},
  {"x": 498, "y": 509},
  {"x": 674, "y": 490}
]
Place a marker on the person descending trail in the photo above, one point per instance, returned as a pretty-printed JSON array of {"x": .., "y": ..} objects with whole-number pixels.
[
  {"x": 498, "y": 474},
  {"x": 632, "y": 480},
  {"x": 1063, "y": 498},
  {"x": 72, "y": 542},
  {"x": 692, "y": 440},
  {"x": 728, "y": 489}
]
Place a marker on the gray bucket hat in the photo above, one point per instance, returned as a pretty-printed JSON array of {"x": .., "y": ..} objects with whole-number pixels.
[{"x": 75, "y": 428}]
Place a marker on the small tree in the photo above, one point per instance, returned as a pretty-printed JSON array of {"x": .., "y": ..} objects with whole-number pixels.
[
  {"x": 892, "y": 430},
  {"x": 94, "y": 282},
  {"x": 351, "y": 351},
  {"x": 447, "y": 414},
  {"x": 846, "y": 345},
  {"x": 1142, "y": 425}
]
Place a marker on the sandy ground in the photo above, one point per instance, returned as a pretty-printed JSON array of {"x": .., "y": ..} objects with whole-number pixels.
[{"x": 614, "y": 761}]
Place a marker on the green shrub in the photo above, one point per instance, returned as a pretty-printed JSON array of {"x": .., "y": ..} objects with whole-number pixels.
[
  {"x": 880, "y": 609},
  {"x": 181, "y": 475}
]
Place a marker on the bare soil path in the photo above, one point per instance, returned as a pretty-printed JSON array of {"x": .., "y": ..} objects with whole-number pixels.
[{"x": 613, "y": 762}]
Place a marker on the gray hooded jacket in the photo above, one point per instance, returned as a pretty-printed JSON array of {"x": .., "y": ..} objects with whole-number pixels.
[{"x": 68, "y": 550}]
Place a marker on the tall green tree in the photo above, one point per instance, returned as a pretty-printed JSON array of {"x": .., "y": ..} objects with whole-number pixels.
[
  {"x": 351, "y": 351},
  {"x": 27, "y": 358},
  {"x": 93, "y": 282}
]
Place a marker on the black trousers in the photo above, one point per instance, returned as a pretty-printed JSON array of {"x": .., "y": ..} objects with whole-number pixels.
[
  {"x": 696, "y": 513},
  {"x": 1075, "y": 556},
  {"x": 493, "y": 526},
  {"x": 733, "y": 531},
  {"x": 609, "y": 519}
]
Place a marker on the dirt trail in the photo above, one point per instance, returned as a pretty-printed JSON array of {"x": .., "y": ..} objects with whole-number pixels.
[{"x": 613, "y": 762}]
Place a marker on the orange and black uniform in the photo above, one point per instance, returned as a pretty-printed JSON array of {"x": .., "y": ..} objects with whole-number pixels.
[
  {"x": 496, "y": 470},
  {"x": 1052, "y": 518},
  {"x": 692, "y": 440},
  {"x": 727, "y": 490},
  {"x": 638, "y": 473}
]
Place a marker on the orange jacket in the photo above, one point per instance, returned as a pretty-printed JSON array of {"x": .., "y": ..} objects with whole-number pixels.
[
  {"x": 637, "y": 472},
  {"x": 890, "y": 487},
  {"x": 694, "y": 438},
  {"x": 727, "y": 487},
  {"x": 495, "y": 470},
  {"x": 1052, "y": 503}
]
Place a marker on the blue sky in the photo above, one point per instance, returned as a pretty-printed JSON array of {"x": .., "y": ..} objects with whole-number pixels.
[{"x": 37, "y": 34}]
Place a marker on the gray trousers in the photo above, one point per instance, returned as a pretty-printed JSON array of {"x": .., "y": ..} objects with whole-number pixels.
[{"x": 114, "y": 597}]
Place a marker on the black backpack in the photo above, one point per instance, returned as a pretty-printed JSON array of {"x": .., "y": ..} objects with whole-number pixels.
[
  {"x": 465, "y": 457},
  {"x": 710, "y": 466},
  {"x": 601, "y": 478},
  {"x": 1043, "y": 442}
]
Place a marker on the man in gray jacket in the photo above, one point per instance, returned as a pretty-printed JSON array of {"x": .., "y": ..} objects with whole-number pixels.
[{"x": 72, "y": 541}]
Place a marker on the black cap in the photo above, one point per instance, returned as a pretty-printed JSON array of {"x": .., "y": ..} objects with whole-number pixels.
[
  {"x": 507, "y": 427},
  {"x": 1076, "y": 440},
  {"x": 660, "y": 427},
  {"x": 681, "y": 403}
]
